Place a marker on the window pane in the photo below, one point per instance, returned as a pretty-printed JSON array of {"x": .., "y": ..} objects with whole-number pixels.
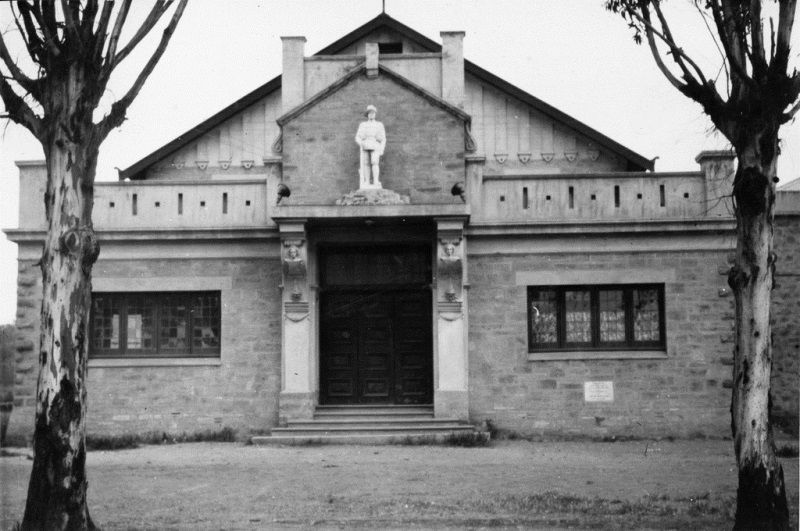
[
  {"x": 645, "y": 315},
  {"x": 578, "y": 318},
  {"x": 205, "y": 321},
  {"x": 612, "y": 316},
  {"x": 173, "y": 324},
  {"x": 105, "y": 315},
  {"x": 140, "y": 323},
  {"x": 543, "y": 315}
]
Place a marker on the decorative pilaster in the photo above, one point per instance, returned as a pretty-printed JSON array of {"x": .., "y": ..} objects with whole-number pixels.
[
  {"x": 451, "y": 398},
  {"x": 297, "y": 399}
]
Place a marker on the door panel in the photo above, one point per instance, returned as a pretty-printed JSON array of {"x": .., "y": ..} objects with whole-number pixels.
[
  {"x": 413, "y": 348},
  {"x": 376, "y": 347}
]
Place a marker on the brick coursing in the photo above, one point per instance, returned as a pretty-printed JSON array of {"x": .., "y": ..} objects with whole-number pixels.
[{"x": 682, "y": 395}]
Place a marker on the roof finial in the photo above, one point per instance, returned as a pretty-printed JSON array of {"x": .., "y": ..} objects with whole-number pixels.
[{"x": 383, "y": 7}]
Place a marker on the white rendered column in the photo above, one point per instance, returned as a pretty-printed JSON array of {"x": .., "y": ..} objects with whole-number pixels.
[{"x": 451, "y": 391}]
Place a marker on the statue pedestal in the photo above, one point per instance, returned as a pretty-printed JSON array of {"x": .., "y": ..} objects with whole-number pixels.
[{"x": 373, "y": 196}]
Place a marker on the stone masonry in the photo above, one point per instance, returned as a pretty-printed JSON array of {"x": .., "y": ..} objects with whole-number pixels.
[
  {"x": 241, "y": 393},
  {"x": 786, "y": 321},
  {"x": 684, "y": 394},
  {"x": 424, "y": 154}
]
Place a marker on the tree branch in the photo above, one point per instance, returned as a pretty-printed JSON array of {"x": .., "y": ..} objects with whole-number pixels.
[
  {"x": 113, "y": 40},
  {"x": 100, "y": 34},
  {"x": 19, "y": 111},
  {"x": 677, "y": 52},
  {"x": 780, "y": 61},
  {"x": 651, "y": 41},
  {"x": 758, "y": 57},
  {"x": 49, "y": 33},
  {"x": 116, "y": 116},
  {"x": 788, "y": 115},
  {"x": 738, "y": 70},
  {"x": 71, "y": 14},
  {"x": 25, "y": 82},
  {"x": 35, "y": 45},
  {"x": 704, "y": 16},
  {"x": 22, "y": 33},
  {"x": 159, "y": 8}
]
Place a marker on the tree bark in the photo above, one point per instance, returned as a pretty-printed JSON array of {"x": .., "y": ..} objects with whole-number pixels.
[
  {"x": 761, "y": 495},
  {"x": 57, "y": 488}
]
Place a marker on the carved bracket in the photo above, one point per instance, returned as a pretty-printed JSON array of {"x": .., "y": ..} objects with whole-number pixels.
[
  {"x": 571, "y": 156},
  {"x": 202, "y": 164},
  {"x": 501, "y": 158},
  {"x": 524, "y": 157},
  {"x": 548, "y": 157},
  {"x": 247, "y": 164},
  {"x": 470, "y": 145},
  {"x": 295, "y": 311},
  {"x": 594, "y": 154},
  {"x": 294, "y": 269},
  {"x": 277, "y": 145},
  {"x": 225, "y": 164},
  {"x": 450, "y": 311},
  {"x": 451, "y": 270}
]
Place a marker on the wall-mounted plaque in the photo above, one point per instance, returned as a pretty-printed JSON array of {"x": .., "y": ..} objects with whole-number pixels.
[{"x": 598, "y": 391}]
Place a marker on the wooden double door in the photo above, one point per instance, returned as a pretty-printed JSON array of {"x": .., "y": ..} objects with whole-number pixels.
[{"x": 376, "y": 346}]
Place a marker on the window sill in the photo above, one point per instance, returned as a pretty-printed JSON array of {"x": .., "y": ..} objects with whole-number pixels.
[
  {"x": 557, "y": 355},
  {"x": 154, "y": 362}
]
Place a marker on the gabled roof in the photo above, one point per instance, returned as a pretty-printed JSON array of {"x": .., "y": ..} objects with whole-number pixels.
[
  {"x": 356, "y": 71},
  {"x": 791, "y": 186},
  {"x": 635, "y": 161}
]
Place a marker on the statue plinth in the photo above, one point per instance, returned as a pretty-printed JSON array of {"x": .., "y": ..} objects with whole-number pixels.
[{"x": 373, "y": 196}]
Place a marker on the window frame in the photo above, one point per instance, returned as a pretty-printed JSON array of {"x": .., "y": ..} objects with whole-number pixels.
[
  {"x": 122, "y": 301},
  {"x": 629, "y": 344}
]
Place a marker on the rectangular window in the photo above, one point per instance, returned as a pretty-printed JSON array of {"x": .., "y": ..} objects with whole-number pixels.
[
  {"x": 608, "y": 317},
  {"x": 176, "y": 324}
]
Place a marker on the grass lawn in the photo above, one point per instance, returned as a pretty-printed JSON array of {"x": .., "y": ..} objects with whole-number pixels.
[{"x": 540, "y": 485}]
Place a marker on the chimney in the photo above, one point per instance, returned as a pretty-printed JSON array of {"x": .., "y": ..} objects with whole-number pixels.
[
  {"x": 293, "y": 76},
  {"x": 453, "y": 67},
  {"x": 717, "y": 166}
]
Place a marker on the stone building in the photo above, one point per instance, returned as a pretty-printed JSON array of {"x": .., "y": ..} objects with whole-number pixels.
[{"x": 510, "y": 264}]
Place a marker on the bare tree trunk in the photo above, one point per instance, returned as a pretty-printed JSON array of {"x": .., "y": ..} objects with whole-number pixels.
[
  {"x": 57, "y": 488},
  {"x": 761, "y": 496}
]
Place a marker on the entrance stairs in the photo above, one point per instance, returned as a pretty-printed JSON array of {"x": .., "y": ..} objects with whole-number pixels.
[{"x": 368, "y": 424}]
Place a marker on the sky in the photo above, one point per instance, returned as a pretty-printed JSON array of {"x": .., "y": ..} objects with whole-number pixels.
[{"x": 572, "y": 54}]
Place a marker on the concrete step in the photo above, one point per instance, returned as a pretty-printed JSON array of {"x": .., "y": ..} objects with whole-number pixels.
[
  {"x": 373, "y": 418},
  {"x": 360, "y": 422},
  {"x": 369, "y": 411},
  {"x": 369, "y": 429},
  {"x": 372, "y": 414},
  {"x": 369, "y": 438}
]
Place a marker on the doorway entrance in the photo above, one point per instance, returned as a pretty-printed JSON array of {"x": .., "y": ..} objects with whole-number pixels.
[{"x": 376, "y": 343}]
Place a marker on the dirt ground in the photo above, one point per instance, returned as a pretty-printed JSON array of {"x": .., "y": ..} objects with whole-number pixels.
[{"x": 510, "y": 484}]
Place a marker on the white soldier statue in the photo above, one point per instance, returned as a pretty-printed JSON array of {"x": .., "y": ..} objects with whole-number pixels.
[{"x": 371, "y": 137}]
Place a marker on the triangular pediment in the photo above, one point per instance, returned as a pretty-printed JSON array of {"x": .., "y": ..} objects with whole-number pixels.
[{"x": 361, "y": 70}]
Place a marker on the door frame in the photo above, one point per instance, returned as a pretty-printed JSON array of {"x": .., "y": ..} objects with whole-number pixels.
[{"x": 424, "y": 287}]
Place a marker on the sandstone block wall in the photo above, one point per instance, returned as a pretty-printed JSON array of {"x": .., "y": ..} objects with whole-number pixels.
[
  {"x": 786, "y": 322},
  {"x": 685, "y": 394},
  {"x": 424, "y": 154},
  {"x": 241, "y": 393}
]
